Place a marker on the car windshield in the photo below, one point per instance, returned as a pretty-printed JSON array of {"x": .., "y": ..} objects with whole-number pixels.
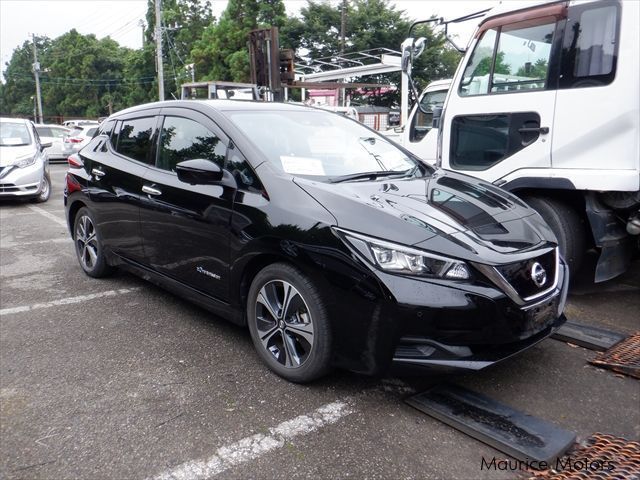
[
  {"x": 14, "y": 134},
  {"x": 324, "y": 146}
]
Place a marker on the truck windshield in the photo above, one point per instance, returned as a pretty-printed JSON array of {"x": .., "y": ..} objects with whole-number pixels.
[{"x": 323, "y": 145}]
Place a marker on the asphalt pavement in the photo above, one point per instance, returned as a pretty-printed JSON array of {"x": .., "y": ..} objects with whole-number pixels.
[{"x": 118, "y": 379}]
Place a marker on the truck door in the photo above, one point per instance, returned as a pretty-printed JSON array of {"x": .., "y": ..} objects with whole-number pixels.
[{"x": 500, "y": 111}]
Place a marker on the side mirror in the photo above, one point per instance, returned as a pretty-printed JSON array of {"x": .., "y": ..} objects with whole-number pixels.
[
  {"x": 411, "y": 49},
  {"x": 44, "y": 145},
  {"x": 199, "y": 172},
  {"x": 437, "y": 114}
]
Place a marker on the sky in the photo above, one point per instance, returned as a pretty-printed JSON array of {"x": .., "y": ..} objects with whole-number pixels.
[{"x": 120, "y": 19}]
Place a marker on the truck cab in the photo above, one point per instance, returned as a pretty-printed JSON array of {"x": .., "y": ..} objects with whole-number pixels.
[
  {"x": 546, "y": 104},
  {"x": 418, "y": 135}
]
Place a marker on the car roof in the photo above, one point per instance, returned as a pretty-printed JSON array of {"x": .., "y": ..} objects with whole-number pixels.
[
  {"x": 55, "y": 125},
  {"x": 220, "y": 105},
  {"x": 14, "y": 120}
]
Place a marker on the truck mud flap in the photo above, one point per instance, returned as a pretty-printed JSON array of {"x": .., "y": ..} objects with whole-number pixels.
[{"x": 515, "y": 433}]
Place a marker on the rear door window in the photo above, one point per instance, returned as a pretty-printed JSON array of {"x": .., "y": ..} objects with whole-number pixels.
[{"x": 134, "y": 138}]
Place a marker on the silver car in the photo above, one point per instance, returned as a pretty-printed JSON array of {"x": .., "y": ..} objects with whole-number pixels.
[
  {"x": 78, "y": 138},
  {"x": 24, "y": 166},
  {"x": 53, "y": 134}
]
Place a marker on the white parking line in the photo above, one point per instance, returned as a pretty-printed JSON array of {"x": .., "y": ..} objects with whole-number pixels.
[
  {"x": 67, "y": 301},
  {"x": 49, "y": 215},
  {"x": 68, "y": 240},
  {"x": 7, "y": 214},
  {"x": 250, "y": 448}
]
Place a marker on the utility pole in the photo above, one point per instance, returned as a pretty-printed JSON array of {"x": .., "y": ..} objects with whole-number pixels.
[
  {"x": 159, "y": 50},
  {"x": 343, "y": 25},
  {"x": 142, "y": 25},
  {"x": 36, "y": 72}
]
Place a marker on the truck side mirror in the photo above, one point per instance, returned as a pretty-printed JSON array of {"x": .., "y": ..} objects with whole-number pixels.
[
  {"x": 411, "y": 49},
  {"x": 437, "y": 114}
]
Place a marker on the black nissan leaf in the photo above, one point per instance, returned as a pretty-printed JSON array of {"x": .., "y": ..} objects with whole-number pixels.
[{"x": 335, "y": 246}]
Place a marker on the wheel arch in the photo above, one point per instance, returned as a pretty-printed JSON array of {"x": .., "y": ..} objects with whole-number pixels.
[
  {"x": 73, "y": 212},
  {"x": 249, "y": 271},
  {"x": 571, "y": 197}
]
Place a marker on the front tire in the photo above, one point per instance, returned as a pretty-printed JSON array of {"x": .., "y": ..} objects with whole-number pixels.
[
  {"x": 45, "y": 190},
  {"x": 88, "y": 245},
  {"x": 289, "y": 324},
  {"x": 567, "y": 226}
]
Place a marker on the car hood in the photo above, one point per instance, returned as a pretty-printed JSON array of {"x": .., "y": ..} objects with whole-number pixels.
[
  {"x": 448, "y": 213},
  {"x": 8, "y": 155}
]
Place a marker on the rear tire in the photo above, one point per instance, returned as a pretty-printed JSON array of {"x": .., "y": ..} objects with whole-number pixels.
[
  {"x": 567, "y": 226},
  {"x": 289, "y": 324},
  {"x": 88, "y": 245}
]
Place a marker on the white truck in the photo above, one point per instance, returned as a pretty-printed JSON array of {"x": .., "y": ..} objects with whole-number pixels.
[
  {"x": 418, "y": 135},
  {"x": 546, "y": 104}
]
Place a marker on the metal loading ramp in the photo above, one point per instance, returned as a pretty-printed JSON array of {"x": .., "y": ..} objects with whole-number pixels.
[
  {"x": 515, "y": 433},
  {"x": 623, "y": 357},
  {"x": 600, "y": 457}
]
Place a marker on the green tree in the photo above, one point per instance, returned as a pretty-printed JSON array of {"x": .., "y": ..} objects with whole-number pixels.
[
  {"x": 184, "y": 23},
  {"x": 369, "y": 24},
  {"x": 20, "y": 88},
  {"x": 536, "y": 70},
  {"x": 222, "y": 52},
  {"x": 271, "y": 13},
  {"x": 84, "y": 75}
]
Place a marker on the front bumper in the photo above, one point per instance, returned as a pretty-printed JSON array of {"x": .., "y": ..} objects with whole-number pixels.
[
  {"x": 21, "y": 182},
  {"x": 434, "y": 325}
]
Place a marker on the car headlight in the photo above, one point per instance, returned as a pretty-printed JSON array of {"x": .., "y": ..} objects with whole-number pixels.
[
  {"x": 396, "y": 258},
  {"x": 25, "y": 161}
]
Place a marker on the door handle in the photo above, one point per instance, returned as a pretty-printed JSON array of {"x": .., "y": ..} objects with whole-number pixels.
[
  {"x": 150, "y": 190},
  {"x": 543, "y": 130},
  {"x": 97, "y": 172}
]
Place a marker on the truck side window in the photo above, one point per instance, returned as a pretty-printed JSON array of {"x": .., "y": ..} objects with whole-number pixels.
[
  {"x": 480, "y": 141},
  {"x": 590, "y": 47},
  {"x": 522, "y": 58},
  {"x": 519, "y": 61},
  {"x": 476, "y": 75},
  {"x": 421, "y": 123}
]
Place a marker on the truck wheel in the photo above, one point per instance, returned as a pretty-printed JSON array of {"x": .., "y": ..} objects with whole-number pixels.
[{"x": 567, "y": 226}]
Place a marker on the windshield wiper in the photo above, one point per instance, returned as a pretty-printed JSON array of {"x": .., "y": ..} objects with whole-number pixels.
[{"x": 370, "y": 175}]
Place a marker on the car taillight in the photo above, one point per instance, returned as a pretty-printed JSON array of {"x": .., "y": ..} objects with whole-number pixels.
[
  {"x": 75, "y": 161},
  {"x": 75, "y": 140}
]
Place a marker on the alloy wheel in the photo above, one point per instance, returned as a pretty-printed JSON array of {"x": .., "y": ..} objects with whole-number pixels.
[
  {"x": 86, "y": 242},
  {"x": 45, "y": 190},
  {"x": 284, "y": 323}
]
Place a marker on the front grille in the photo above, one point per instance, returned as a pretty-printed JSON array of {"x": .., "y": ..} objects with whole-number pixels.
[
  {"x": 8, "y": 188},
  {"x": 533, "y": 276}
]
